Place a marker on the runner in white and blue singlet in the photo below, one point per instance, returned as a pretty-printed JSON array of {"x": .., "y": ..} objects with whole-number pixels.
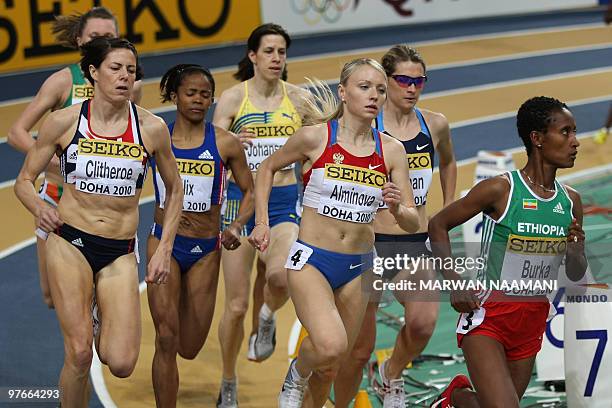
[
  {"x": 346, "y": 166},
  {"x": 105, "y": 143},
  {"x": 183, "y": 309},
  {"x": 422, "y": 133}
]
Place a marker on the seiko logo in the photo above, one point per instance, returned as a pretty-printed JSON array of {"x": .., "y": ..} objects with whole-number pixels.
[
  {"x": 355, "y": 174},
  {"x": 418, "y": 161},
  {"x": 536, "y": 245},
  {"x": 273, "y": 131},
  {"x": 82, "y": 91},
  {"x": 196, "y": 167},
  {"x": 110, "y": 148}
]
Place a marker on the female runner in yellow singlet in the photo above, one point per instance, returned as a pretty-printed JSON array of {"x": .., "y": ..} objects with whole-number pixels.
[{"x": 267, "y": 116}]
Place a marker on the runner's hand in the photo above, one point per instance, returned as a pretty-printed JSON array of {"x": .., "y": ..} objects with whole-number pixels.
[
  {"x": 48, "y": 218},
  {"x": 246, "y": 135},
  {"x": 159, "y": 266},
  {"x": 230, "y": 238},
  {"x": 392, "y": 196},
  {"x": 575, "y": 238},
  {"x": 464, "y": 301},
  {"x": 576, "y": 233},
  {"x": 260, "y": 237}
]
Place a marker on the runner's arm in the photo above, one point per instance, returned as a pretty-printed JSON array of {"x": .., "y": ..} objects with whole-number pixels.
[
  {"x": 299, "y": 147},
  {"x": 37, "y": 159},
  {"x": 48, "y": 97},
  {"x": 488, "y": 196},
  {"x": 576, "y": 262},
  {"x": 448, "y": 164},
  {"x": 242, "y": 175},
  {"x": 159, "y": 137},
  {"x": 397, "y": 193}
]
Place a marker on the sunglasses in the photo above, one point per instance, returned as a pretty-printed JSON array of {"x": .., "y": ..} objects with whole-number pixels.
[{"x": 404, "y": 81}]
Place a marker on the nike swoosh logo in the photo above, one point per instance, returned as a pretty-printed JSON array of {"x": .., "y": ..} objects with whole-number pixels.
[
  {"x": 437, "y": 403},
  {"x": 374, "y": 167},
  {"x": 419, "y": 148},
  {"x": 355, "y": 266}
]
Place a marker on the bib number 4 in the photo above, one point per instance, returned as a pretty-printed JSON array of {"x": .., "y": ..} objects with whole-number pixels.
[{"x": 298, "y": 256}]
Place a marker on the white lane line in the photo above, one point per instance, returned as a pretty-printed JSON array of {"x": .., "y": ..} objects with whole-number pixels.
[
  {"x": 7, "y": 184},
  {"x": 519, "y": 55},
  {"x": 97, "y": 379},
  {"x": 441, "y": 41},
  {"x": 17, "y": 247},
  {"x": 514, "y": 82},
  {"x": 509, "y": 114}
]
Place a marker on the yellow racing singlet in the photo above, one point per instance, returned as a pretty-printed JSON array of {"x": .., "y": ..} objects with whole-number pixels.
[{"x": 272, "y": 129}]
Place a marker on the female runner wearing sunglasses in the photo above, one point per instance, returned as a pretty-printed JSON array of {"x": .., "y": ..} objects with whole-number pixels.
[{"x": 422, "y": 132}]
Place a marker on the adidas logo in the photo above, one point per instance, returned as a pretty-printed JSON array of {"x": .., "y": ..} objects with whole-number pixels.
[
  {"x": 196, "y": 250},
  {"x": 73, "y": 155},
  {"x": 77, "y": 242},
  {"x": 205, "y": 155},
  {"x": 559, "y": 209}
]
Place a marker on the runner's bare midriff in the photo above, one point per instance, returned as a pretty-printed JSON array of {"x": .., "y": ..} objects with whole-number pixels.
[
  {"x": 195, "y": 224},
  {"x": 335, "y": 235},
  {"x": 104, "y": 216}
]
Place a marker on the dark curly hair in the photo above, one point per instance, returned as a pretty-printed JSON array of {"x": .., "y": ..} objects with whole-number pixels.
[
  {"x": 173, "y": 78},
  {"x": 535, "y": 115}
]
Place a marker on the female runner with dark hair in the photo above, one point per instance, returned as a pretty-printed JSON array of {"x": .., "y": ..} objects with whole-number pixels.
[
  {"x": 64, "y": 88},
  {"x": 183, "y": 309},
  {"x": 103, "y": 145}
]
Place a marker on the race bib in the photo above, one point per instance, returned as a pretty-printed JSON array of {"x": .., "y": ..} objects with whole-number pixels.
[
  {"x": 108, "y": 167},
  {"x": 298, "y": 256},
  {"x": 471, "y": 320},
  {"x": 198, "y": 177},
  {"x": 351, "y": 193},
  {"x": 262, "y": 148},
  {"x": 268, "y": 139},
  {"x": 531, "y": 263}
]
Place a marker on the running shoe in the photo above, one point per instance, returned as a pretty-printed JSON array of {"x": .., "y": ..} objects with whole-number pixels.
[
  {"x": 292, "y": 393},
  {"x": 394, "y": 395},
  {"x": 444, "y": 399},
  {"x": 228, "y": 395},
  {"x": 265, "y": 340}
]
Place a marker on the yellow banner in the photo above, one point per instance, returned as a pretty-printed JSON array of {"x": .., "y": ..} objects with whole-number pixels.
[{"x": 26, "y": 41}]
